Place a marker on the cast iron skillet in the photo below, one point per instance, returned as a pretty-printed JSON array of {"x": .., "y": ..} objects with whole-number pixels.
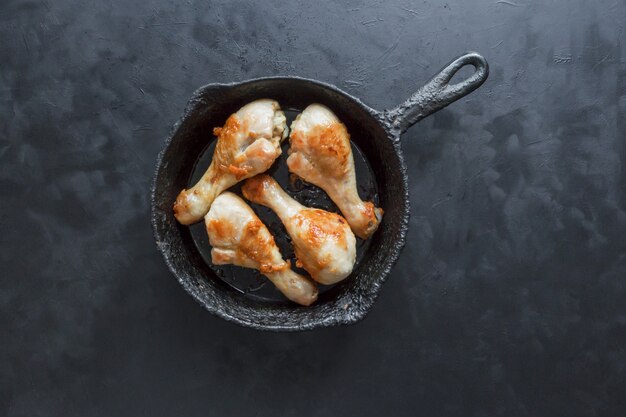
[{"x": 376, "y": 133}]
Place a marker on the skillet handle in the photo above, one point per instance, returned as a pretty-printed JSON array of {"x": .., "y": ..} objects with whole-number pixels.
[{"x": 437, "y": 93}]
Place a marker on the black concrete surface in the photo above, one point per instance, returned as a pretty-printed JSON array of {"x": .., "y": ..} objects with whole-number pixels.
[{"x": 508, "y": 300}]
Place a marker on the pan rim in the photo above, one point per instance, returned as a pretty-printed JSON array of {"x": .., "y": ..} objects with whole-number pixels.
[{"x": 392, "y": 255}]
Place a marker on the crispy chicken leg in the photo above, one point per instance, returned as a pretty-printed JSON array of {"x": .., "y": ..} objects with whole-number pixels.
[
  {"x": 247, "y": 145},
  {"x": 240, "y": 238},
  {"x": 320, "y": 153},
  {"x": 324, "y": 244}
]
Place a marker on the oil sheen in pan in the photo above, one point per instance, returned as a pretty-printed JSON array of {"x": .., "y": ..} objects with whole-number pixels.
[{"x": 251, "y": 282}]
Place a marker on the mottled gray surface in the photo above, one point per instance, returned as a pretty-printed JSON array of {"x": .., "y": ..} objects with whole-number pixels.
[{"x": 509, "y": 298}]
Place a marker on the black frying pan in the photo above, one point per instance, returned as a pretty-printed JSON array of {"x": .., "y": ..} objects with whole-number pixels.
[{"x": 375, "y": 133}]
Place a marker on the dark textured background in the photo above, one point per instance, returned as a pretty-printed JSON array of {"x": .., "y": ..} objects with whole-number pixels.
[{"x": 510, "y": 296}]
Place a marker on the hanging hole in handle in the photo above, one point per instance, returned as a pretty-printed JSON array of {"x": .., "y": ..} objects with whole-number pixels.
[{"x": 462, "y": 74}]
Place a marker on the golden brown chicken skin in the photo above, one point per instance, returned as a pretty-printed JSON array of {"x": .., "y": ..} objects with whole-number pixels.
[{"x": 323, "y": 242}]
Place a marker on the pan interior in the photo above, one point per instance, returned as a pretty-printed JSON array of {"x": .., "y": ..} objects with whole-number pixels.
[{"x": 248, "y": 281}]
